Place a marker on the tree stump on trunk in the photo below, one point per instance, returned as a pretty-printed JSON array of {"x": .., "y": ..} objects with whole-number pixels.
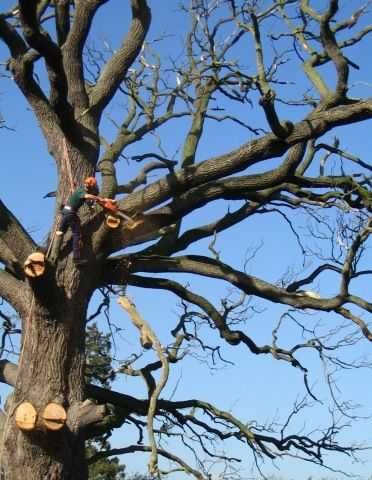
[
  {"x": 25, "y": 416},
  {"x": 54, "y": 416},
  {"x": 112, "y": 222},
  {"x": 34, "y": 265}
]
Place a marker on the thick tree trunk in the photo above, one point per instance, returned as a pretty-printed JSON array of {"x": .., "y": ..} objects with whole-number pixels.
[{"x": 51, "y": 369}]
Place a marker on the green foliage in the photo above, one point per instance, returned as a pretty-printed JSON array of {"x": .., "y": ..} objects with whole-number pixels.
[
  {"x": 104, "y": 468},
  {"x": 98, "y": 367},
  {"x": 99, "y": 371}
]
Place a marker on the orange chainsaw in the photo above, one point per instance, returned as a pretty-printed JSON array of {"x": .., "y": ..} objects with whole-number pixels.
[{"x": 111, "y": 206}]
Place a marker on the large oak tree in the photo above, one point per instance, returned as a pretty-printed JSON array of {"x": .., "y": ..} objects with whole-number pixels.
[{"x": 231, "y": 58}]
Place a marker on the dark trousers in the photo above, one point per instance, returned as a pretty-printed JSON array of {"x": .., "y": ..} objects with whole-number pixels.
[{"x": 72, "y": 220}]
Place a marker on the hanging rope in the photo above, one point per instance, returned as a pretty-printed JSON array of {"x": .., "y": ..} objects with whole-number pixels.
[
  {"x": 66, "y": 161},
  {"x": 28, "y": 321},
  {"x": 66, "y": 165}
]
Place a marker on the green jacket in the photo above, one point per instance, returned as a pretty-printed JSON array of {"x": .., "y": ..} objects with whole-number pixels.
[{"x": 76, "y": 199}]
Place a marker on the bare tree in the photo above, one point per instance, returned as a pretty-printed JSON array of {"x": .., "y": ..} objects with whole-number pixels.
[{"x": 283, "y": 168}]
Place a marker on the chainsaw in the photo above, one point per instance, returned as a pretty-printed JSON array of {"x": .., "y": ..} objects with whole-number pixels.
[{"x": 111, "y": 206}]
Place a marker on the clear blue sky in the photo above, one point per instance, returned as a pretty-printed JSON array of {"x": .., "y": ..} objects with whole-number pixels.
[{"x": 255, "y": 387}]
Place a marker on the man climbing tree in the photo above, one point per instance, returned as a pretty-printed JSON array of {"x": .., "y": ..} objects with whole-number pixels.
[
  {"x": 280, "y": 71},
  {"x": 85, "y": 193}
]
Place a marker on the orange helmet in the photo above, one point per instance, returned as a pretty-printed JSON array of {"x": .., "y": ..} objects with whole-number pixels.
[{"x": 90, "y": 182}]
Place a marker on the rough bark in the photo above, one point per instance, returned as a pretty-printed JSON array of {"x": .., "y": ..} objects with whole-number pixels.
[
  {"x": 50, "y": 370},
  {"x": 51, "y": 365}
]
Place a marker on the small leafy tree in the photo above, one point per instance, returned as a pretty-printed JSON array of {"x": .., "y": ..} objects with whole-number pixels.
[
  {"x": 98, "y": 366},
  {"x": 99, "y": 371},
  {"x": 105, "y": 468}
]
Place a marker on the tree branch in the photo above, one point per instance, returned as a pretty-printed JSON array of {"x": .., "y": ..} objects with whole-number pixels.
[
  {"x": 149, "y": 334},
  {"x": 87, "y": 413},
  {"x": 333, "y": 50},
  {"x": 268, "y": 95},
  {"x": 43, "y": 44},
  {"x": 310, "y": 278},
  {"x": 117, "y": 68},
  {"x": 62, "y": 20},
  {"x": 143, "y": 448},
  {"x": 13, "y": 291},
  {"x": 247, "y": 283},
  {"x": 11, "y": 38},
  {"x": 8, "y": 372},
  {"x": 232, "y": 337},
  {"x": 195, "y": 234},
  {"x": 247, "y": 155},
  {"x": 14, "y": 236},
  {"x": 72, "y": 51}
]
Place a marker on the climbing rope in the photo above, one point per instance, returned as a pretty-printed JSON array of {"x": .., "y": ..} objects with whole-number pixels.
[
  {"x": 66, "y": 165},
  {"x": 28, "y": 321}
]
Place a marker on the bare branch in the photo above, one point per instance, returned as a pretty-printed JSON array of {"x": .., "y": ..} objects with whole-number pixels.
[
  {"x": 44, "y": 45},
  {"x": 247, "y": 155},
  {"x": 14, "y": 237},
  {"x": 85, "y": 414},
  {"x": 8, "y": 372},
  {"x": 13, "y": 291},
  {"x": 117, "y": 68},
  {"x": 143, "y": 448},
  {"x": 62, "y": 20},
  {"x": 148, "y": 334},
  {"x": 268, "y": 95}
]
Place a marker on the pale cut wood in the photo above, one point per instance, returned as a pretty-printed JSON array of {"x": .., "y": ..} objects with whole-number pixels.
[
  {"x": 54, "y": 416},
  {"x": 133, "y": 224},
  {"x": 112, "y": 222},
  {"x": 34, "y": 265},
  {"x": 25, "y": 416}
]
